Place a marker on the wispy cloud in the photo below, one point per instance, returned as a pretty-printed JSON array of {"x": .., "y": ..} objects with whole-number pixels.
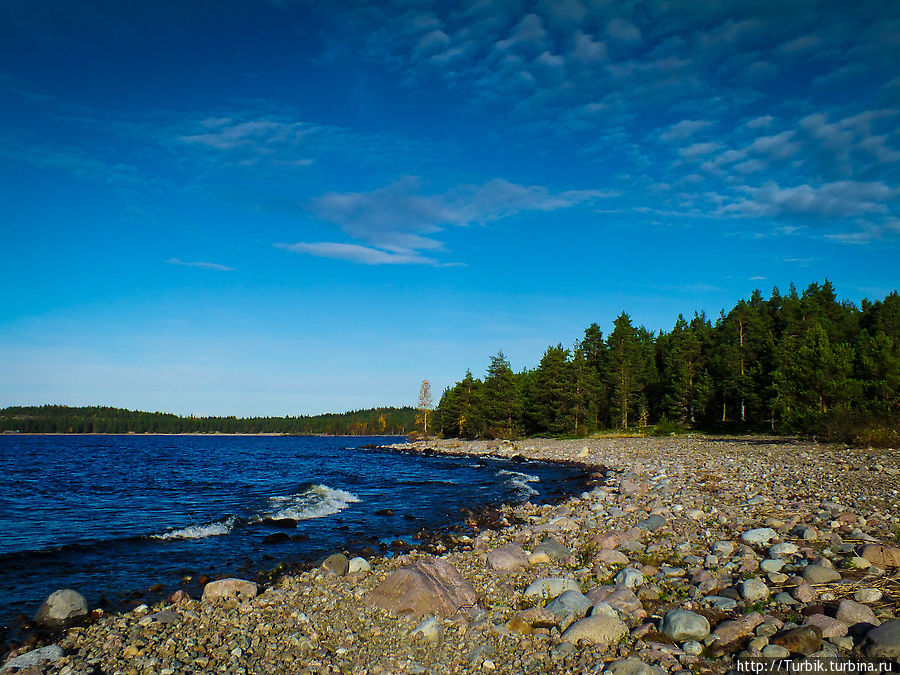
[
  {"x": 201, "y": 264},
  {"x": 365, "y": 255},
  {"x": 399, "y": 222}
]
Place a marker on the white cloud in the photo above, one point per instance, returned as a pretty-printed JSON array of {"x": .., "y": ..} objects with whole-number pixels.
[
  {"x": 684, "y": 129},
  {"x": 839, "y": 199},
  {"x": 396, "y": 223},
  {"x": 356, "y": 253},
  {"x": 201, "y": 264},
  {"x": 699, "y": 149},
  {"x": 588, "y": 50}
]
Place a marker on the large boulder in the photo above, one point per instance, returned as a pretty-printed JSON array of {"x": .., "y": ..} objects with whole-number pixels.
[
  {"x": 62, "y": 607},
  {"x": 229, "y": 588},
  {"x": 425, "y": 587}
]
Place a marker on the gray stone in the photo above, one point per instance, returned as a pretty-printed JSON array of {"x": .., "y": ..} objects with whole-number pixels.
[
  {"x": 553, "y": 549},
  {"x": 631, "y": 666},
  {"x": 883, "y": 642},
  {"x": 570, "y": 602},
  {"x": 785, "y": 599},
  {"x": 336, "y": 563},
  {"x": 630, "y": 578},
  {"x": 166, "y": 617},
  {"x": 783, "y": 550},
  {"x": 759, "y": 536},
  {"x": 771, "y": 565},
  {"x": 868, "y": 596},
  {"x": 681, "y": 625},
  {"x": 551, "y": 587},
  {"x": 775, "y": 652},
  {"x": 819, "y": 574},
  {"x": 229, "y": 588},
  {"x": 754, "y": 589},
  {"x": 723, "y": 548},
  {"x": 692, "y": 647},
  {"x": 852, "y": 613},
  {"x": 652, "y": 523},
  {"x": 61, "y": 607},
  {"x": 600, "y": 630},
  {"x": 34, "y": 657},
  {"x": 720, "y": 602}
]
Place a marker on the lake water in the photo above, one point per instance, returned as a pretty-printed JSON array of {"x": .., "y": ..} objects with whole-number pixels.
[{"x": 109, "y": 515}]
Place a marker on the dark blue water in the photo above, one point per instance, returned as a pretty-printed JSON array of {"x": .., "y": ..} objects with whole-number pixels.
[{"x": 108, "y": 515}]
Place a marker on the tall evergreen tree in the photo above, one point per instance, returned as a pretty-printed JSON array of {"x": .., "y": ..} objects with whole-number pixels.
[
  {"x": 631, "y": 369},
  {"x": 502, "y": 404}
]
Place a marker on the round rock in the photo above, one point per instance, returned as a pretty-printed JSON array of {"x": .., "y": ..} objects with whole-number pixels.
[
  {"x": 754, "y": 589},
  {"x": 819, "y": 574},
  {"x": 599, "y": 630},
  {"x": 61, "y": 607},
  {"x": 682, "y": 625},
  {"x": 358, "y": 564},
  {"x": 759, "y": 536},
  {"x": 337, "y": 563}
]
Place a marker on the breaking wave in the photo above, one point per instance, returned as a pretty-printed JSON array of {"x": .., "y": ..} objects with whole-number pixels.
[
  {"x": 198, "y": 531},
  {"x": 317, "y": 501},
  {"x": 520, "y": 482}
]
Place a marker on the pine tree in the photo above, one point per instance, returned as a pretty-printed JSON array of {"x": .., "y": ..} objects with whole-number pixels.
[{"x": 502, "y": 404}]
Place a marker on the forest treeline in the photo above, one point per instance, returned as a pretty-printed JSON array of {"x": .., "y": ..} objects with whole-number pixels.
[
  {"x": 105, "y": 420},
  {"x": 802, "y": 364}
]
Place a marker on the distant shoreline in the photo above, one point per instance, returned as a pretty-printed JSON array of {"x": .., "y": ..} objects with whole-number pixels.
[{"x": 187, "y": 433}]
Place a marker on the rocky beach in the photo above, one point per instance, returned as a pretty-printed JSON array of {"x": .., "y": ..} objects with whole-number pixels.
[{"x": 685, "y": 554}]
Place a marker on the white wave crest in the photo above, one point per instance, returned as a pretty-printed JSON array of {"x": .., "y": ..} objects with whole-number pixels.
[
  {"x": 520, "y": 481},
  {"x": 317, "y": 501},
  {"x": 198, "y": 531}
]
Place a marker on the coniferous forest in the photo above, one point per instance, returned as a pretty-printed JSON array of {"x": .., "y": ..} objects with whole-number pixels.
[
  {"x": 802, "y": 364},
  {"x": 96, "y": 419}
]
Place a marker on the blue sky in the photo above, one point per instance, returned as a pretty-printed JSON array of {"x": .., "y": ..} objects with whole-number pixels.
[{"x": 295, "y": 207}]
